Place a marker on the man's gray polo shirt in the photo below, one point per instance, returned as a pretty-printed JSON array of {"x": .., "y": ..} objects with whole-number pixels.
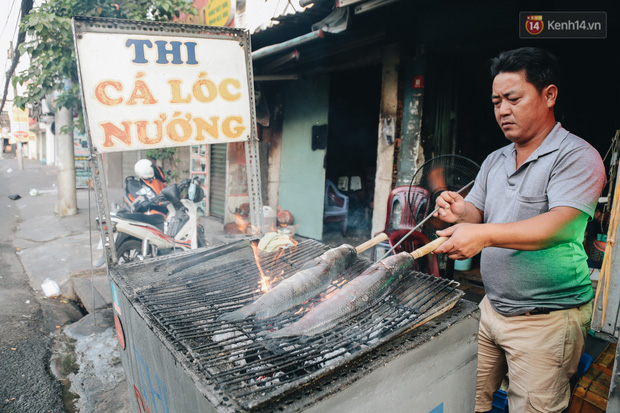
[{"x": 563, "y": 171}]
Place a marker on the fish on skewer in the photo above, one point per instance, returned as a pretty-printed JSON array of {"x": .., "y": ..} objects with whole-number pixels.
[
  {"x": 313, "y": 278},
  {"x": 357, "y": 294}
]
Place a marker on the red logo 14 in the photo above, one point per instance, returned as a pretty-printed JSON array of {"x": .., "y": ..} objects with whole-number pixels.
[{"x": 534, "y": 24}]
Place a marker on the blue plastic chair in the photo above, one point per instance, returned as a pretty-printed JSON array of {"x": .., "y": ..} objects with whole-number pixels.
[{"x": 336, "y": 206}]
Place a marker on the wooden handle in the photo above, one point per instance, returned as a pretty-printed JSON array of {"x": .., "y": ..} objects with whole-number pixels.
[
  {"x": 371, "y": 242},
  {"x": 430, "y": 247}
]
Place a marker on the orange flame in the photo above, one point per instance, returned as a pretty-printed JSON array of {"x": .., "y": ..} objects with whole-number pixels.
[
  {"x": 242, "y": 224},
  {"x": 301, "y": 310},
  {"x": 282, "y": 251},
  {"x": 265, "y": 282},
  {"x": 335, "y": 287}
]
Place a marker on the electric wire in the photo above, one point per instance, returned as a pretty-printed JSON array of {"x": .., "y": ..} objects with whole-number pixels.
[
  {"x": 602, "y": 294},
  {"x": 16, "y": 30},
  {"x": 611, "y": 146},
  {"x": 6, "y": 23},
  {"x": 293, "y": 6},
  {"x": 275, "y": 10},
  {"x": 26, "y": 6}
]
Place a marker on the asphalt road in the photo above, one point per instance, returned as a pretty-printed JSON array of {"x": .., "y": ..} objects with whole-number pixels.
[{"x": 27, "y": 325}]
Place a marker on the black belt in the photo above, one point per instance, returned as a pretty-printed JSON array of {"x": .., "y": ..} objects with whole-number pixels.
[{"x": 546, "y": 310}]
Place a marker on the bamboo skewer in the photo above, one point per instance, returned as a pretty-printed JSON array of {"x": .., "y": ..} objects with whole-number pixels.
[
  {"x": 428, "y": 248},
  {"x": 420, "y": 252},
  {"x": 382, "y": 236},
  {"x": 371, "y": 242},
  {"x": 422, "y": 222}
]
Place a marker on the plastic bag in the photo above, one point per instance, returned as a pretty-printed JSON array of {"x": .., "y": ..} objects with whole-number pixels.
[{"x": 51, "y": 289}]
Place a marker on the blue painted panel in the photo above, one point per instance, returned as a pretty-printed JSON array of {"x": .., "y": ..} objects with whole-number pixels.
[
  {"x": 302, "y": 175},
  {"x": 438, "y": 409}
]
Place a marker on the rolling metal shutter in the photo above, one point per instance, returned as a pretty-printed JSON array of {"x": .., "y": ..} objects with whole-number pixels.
[{"x": 217, "y": 189}]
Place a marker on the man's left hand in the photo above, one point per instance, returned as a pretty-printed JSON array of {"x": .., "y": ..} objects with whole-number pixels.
[{"x": 466, "y": 240}]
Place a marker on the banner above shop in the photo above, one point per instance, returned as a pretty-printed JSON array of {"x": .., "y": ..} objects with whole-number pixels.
[
  {"x": 19, "y": 125},
  {"x": 210, "y": 13},
  {"x": 151, "y": 85}
]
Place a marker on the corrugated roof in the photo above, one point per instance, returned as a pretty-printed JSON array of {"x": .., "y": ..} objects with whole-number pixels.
[{"x": 291, "y": 25}]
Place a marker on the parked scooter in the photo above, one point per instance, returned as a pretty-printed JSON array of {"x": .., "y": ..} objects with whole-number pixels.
[
  {"x": 139, "y": 235},
  {"x": 148, "y": 182}
]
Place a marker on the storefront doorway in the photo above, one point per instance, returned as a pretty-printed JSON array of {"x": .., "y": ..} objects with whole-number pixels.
[{"x": 351, "y": 158}]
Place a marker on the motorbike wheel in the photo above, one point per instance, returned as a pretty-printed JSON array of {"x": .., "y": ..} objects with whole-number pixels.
[
  {"x": 130, "y": 250},
  {"x": 201, "y": 240}
]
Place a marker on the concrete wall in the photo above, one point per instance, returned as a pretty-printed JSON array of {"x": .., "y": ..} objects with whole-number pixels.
[
  {"x": 237, "y": 192},
  {"x": 114, "y": 172},
  {"x": 385, "y": 151},
  {"x": 411, "y": 154},
  {"x": 272, "y": 136},
  {"x": 302, "y": 175},
  {"x": 439, "y": 376},
  {"x": 155, "y": 380}
]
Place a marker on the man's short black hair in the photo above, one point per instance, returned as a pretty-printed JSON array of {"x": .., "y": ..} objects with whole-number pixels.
[{"x": 541, "y": 67}]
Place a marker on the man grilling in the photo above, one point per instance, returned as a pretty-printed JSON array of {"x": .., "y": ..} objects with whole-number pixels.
[{"x": 527, "y": 213}]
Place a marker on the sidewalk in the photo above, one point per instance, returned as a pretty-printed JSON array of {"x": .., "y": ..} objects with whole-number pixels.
[
  {"x": 59, "y": 248},
  {"x": 51, "y": 246},
  {"x": 85, "y": 355},
  {"x": 55, "y": 247},
  {"x": 63, "y": 250}
]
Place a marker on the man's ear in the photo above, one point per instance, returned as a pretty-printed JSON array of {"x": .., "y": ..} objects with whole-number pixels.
[{"x": 550, "y": 94}]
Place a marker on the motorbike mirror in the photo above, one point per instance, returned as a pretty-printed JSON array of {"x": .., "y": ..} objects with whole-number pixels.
[
  {"x": 171, "y": 192},
  {"x": 195, "y": 192}
]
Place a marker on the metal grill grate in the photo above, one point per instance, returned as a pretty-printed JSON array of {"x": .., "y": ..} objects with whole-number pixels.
[{"x": 239, "y": 358}]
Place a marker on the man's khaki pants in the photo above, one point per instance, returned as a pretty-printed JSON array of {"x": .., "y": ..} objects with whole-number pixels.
[{"x": 539, "y": 352}]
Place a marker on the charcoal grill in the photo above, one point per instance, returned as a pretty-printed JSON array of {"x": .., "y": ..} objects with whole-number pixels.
[
  {"x": 176, "y": 355},
  {"x": 235, "y": 366}
]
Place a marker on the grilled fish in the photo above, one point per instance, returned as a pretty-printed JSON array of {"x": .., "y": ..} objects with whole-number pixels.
[
  {"x": 354, "y": 296},
  {"x": 311, "y": 280}
]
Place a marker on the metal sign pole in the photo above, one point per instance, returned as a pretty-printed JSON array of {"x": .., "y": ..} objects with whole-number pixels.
[
  {"x": 254, "y": 186},
  {"x": 101, "y": 199},
  {"x": 172, "y": 85},
  {"x": 252, "y": 155},
  {"x": 99, "y": 182}
]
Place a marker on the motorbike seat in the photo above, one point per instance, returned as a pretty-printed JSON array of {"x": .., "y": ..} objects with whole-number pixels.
[{"x": 157, "y": 220}]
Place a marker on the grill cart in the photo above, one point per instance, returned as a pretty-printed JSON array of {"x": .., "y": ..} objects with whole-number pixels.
[{"x": 150, "y": 85}]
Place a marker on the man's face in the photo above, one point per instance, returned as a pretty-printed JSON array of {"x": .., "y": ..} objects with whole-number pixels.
[{"x": 520, "y": 110}]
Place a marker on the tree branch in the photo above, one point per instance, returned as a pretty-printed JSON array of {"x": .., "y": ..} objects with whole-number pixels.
[{"x": 25, "y": 9}]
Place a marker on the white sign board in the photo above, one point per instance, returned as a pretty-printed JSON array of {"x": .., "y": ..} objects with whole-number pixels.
[
  {"x": 19, "y": 124},
  {"x": 145, "y": 89}
]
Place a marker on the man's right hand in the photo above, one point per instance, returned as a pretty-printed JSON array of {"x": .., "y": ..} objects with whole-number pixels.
[{"x": 451, "y": 207}]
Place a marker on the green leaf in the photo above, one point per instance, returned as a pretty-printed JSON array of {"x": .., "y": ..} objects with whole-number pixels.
[{"x": 51, "y": 50}]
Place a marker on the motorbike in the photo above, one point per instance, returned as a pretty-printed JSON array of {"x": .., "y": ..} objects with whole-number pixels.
[
  {"x": 138, "y": 190},
  {"x": 140, "y": 232}
]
